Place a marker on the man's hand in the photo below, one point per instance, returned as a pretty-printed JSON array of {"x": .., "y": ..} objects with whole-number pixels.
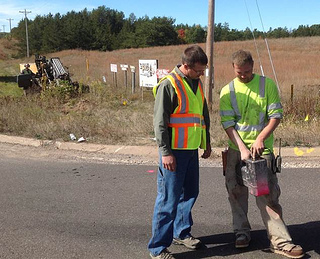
[
  {"x": 207, "y": 152},
  {"x": 245, "y": 154},
  {"x": 257, "y": 149},
  {"x": 169, "y": 162}
]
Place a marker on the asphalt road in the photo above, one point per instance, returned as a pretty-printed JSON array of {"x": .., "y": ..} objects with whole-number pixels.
[{"x": 79, "y": 209}]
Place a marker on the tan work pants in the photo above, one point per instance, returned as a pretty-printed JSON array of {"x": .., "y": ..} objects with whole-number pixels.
[{"x": 270, "y": 209}]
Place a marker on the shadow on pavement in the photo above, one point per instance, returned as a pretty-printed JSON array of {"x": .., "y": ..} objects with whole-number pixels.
[{"x": 307, "y": 235}]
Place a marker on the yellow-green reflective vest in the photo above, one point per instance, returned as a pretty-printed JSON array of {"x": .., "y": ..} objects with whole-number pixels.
[
  {"x": 187, "y": 122},
  {"x": 249, "y": 107}
]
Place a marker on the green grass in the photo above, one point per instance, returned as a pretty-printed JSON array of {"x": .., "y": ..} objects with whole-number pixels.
[
  {"x": 112, "y": 115},
  {"x": 105, "y": 115},
  {"x": 10, "y": 89}
]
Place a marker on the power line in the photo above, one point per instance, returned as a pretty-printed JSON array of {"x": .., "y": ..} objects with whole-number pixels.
[
  {"x": 266, "y": 42},
  {"x": 26, "y": 21},
  {"x": 267, "y": 45},
  {"x": 254, "y": 39}
]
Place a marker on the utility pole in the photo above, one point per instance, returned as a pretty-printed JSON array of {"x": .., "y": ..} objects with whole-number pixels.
[
  {"x": 4, "y": 30},
  {"x": 26, "y": 21},
  {"x": 10, "y": 24},
  {"x": 209, "y": 82}
]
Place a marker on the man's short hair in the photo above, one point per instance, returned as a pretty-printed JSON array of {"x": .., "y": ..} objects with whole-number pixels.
[
  {"x": 242, "y": 57},
  {"x": 194, "y": 54}
]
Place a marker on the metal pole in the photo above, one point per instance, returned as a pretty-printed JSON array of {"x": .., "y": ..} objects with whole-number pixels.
[
  {"x": 291, "y": 95},
  {"x": 4, "y": 30},
  {"x": 10, "y": 24},
  {"x": 25, "y": 18},
  {"x": 133, "y": 80},
  {"x": 126, "y": 78},
  {"x": 209, "y": 81}
]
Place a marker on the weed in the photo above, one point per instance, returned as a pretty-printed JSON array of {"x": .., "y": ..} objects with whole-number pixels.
[
  {"x": 10, "y": 89},
  {"x": 109, "y": 113}
]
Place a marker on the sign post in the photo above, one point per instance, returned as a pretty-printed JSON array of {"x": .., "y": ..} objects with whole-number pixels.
[
  {"x": 125, "y": 69},
  {"x": 133, "y": 78},
  {"x": 114, "y": 70}
]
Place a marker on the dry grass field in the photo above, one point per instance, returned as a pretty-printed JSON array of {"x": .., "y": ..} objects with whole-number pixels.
[
  {"x": 296, "y": 60},
  {"x": 113, "y": 115}
]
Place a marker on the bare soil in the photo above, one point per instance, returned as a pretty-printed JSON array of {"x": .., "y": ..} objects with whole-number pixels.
[{"x": 51, "y": 152}]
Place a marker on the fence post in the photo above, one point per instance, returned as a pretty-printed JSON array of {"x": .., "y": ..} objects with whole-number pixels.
[
  {"x": 125, "y": 78},
  {"x": 114, "y": 70},
  {"x": 115, "y": 79},
  {"x": 133, "y": 78},
  {"x": 125, "y": 68}
]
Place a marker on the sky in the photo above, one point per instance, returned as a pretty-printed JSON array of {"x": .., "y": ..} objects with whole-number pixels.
[{"x": 239, "y": 14}]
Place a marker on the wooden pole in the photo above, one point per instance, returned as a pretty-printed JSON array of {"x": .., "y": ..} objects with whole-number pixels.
[
  {"x": 133, "y": 81},
  {"x": 26, "y": 22},
  {"x": 126, "y": 78},
  {"x": 209, "y": 81}
]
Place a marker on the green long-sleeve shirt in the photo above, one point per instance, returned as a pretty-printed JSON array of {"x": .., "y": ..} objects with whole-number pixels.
[{"x": 165, "y": 103}]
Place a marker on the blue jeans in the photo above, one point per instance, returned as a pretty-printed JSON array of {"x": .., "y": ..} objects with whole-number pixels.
[{"x": 177, "y": 193}]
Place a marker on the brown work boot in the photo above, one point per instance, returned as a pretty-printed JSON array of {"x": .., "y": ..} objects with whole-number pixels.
[
  {"x": 242, "y": 241},
  {"x": 165, "y": 254},
  {"x": 189, "y": 242},
  {"x": 289, "y": 250}
]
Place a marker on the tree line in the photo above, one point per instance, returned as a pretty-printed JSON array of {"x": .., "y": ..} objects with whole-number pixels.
[{"x": 106, "y": 29}]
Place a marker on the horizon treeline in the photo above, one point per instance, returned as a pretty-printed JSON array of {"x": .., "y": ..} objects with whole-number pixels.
[{"x": 105, "y": 29}]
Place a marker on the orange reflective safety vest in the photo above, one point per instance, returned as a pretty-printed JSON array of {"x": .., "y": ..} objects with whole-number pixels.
[{"x": 187, "y": 122}]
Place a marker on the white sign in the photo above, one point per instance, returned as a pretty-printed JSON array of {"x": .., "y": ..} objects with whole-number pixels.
[
  {"x": 114, "y": 68},
  {"x": 147, "y": 73},
  {"x": 162, "y": 73},
  {"x": 133, "y": 69},
  {"x": 207, "y": 72},
  {"x": 124, "y": 67}
]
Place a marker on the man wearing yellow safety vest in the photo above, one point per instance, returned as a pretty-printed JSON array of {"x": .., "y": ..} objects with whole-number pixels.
[
  {"x": 181, "y": 125},
  {"x": 250, "y": 111}
]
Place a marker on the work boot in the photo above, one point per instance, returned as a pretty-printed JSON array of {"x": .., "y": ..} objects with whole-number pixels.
[
  {"x": 165, "y": 254},
  {"x": 242, "y": 241},
  {"x": 189, "y": 242},
  {"x": 289, "y": 250}
]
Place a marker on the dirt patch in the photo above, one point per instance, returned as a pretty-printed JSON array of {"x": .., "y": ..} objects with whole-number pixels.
[{"x": 51, "y": 152}]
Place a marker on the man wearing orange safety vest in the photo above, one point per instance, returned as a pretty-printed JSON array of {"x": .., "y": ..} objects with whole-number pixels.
[
  {"x": 250, "y": 111},
  {"x": 181, "y": 125}
]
